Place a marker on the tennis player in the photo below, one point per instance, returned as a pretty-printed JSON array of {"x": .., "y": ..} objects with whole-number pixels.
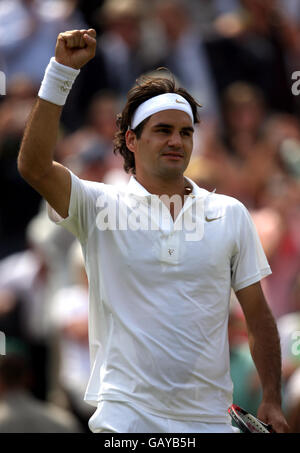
[{"x": 161, "y": 257}]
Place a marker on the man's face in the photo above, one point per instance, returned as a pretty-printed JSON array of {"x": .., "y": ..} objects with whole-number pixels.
[{"x": 165, "y": 146}]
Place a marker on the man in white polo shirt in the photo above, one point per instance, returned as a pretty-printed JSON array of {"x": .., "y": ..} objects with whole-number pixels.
[{"x": 161, "y": 257}]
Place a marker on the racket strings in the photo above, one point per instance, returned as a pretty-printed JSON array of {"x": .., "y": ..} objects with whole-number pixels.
[{"x": 254, "y": 424}]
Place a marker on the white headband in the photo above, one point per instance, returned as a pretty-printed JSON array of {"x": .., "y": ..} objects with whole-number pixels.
[{"x": 167, "y": 101}]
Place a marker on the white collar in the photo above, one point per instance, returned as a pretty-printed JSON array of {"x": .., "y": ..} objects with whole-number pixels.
[{"x": 134, "y": 187}]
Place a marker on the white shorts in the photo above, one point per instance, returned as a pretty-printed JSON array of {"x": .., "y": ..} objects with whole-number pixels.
[{"x": 120, "y": 417}]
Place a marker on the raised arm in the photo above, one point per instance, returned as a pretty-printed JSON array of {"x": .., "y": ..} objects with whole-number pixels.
[
  {"x": 35, "y": 162},
  {"x": 266, "y": 353}
]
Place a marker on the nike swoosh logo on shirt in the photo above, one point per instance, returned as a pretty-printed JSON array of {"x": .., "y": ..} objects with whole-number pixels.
[{"x": 211, "y": 220}]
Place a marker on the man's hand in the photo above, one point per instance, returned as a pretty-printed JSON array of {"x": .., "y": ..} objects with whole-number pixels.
[
  {"x": 75, "y": 48},
  {"x": 272, "y": 415}
]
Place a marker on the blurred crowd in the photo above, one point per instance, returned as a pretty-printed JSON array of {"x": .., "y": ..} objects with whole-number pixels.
[{"x": 237, "y": 57}]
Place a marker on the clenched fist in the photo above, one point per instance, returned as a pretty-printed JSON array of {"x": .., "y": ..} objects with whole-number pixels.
[{"x": 75, "y": 48}]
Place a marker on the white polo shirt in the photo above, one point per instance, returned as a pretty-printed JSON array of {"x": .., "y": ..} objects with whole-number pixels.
[{"x": 159, "y": 299}]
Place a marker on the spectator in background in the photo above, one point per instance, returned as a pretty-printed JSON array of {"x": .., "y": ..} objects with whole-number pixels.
[
  {"x": 101, "y": 115},
  {"x": 185, "y": 53},
  {"x": 27, "y": 282},
  {"x": 243, "y": 116},
  {"x": 249, "y": 45},
  {"x": 99, "y": 126},
  {"x": 28, "y": 31},
  {"x": 23, "y": 287},
  {"x": 88, "y": 151},
  {"x": 122, "y": 42},
  {"x": 70, "y": 321},
  {"x": 244, "y": 113},
  {"x": 281, "y": 193},
  {"x": 263, "y": 35},
  {"x": 14, "y": 110},
  {"x": 89, "y": 12},
  {"x": 205, "y": 12},
  {"x": 229, "y": 144},
  {"x": 92, "y": 162},
  {"x": 121, "y": 56},
  {"x": 20, "y": 412}
]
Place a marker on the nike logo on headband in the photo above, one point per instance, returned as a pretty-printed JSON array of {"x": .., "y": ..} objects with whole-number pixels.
[{"x": 179, "y": 102}]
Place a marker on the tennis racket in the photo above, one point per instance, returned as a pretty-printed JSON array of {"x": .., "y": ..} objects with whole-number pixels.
[{"x": 247, "y": 422}]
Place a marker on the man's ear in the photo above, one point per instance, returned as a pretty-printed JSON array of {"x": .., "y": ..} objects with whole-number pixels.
[{"x": 131, "y": 140}]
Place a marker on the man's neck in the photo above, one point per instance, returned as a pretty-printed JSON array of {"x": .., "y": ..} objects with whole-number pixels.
[
  {"x": 161, "y": 187},
  {"x": 169, "y": 188}
]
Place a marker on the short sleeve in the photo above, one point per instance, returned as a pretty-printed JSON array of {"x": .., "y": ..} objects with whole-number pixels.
[
  {"x": 82, "y": 208},
  {"x": 248, "y": 263}
]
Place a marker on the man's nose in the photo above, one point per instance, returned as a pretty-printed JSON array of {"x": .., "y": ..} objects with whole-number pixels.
[{"x": 175, "y": 140}]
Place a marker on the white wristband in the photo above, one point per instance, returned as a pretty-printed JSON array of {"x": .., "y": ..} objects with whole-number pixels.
[{"x": 57, "y": 82}]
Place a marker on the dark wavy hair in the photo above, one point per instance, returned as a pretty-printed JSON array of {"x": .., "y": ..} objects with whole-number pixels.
[{"x": 146, "y": 87}]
